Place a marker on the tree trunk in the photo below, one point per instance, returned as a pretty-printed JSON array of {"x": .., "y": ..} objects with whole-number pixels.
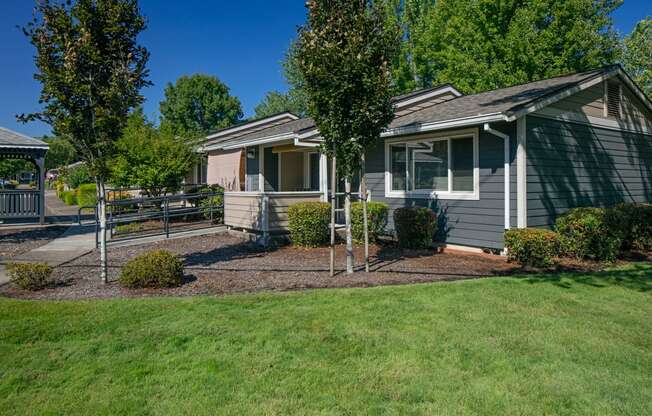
[
  {"x": 363, "y": 192},
  {"x": 347, "y": 218},
  {"x": 333, "y": 199},
  {"x": 102, "y": 216}
]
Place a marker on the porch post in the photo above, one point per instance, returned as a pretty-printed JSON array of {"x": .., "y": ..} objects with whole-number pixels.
[
  {"x": 323, "y": 177},
  {"x": 261, "y": 169},
  {"x": 40, "y": 164}
]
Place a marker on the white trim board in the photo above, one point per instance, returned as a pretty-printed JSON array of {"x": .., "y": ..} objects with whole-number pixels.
[
  {"x": 252, "y": 124},
  {"x": 521, "y": 172}
]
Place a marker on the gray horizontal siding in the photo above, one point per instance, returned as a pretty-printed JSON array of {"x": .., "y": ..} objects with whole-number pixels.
[
  {"x": 572, "y": 165},
  {"x": 470, "y": 223}
]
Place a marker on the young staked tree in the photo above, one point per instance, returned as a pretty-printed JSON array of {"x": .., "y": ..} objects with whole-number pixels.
[
  {"x": 344, "y": 55},
  {"x": 91, "y": 69}
]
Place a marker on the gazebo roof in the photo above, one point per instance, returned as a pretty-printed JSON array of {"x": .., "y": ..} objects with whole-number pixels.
[{"x": 11, "y": 139}]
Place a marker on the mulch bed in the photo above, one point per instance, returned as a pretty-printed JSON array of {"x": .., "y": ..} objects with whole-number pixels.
[
  {"x": 221, "y": 264},
  {"x": 16, "y": 242}
]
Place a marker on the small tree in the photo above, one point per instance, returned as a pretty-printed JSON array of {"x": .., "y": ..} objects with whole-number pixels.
[
  {"x": 344, "y": 54},
  {"x": 150, "y": 158},
  {"x": 197, "y": 104},
  {"x": 92, "y": 70}
]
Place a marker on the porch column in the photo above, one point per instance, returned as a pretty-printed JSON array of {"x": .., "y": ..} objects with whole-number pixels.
[
  {"x": 40, "y": 164},
  {"x": 323, "y": 177},
  {"x": 261, "y": 168}
]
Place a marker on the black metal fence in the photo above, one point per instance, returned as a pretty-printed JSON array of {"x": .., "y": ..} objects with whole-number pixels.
[{"x": 132, "y": 213}]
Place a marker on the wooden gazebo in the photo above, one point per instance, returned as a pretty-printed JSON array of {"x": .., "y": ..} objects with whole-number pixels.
[{"x": 23, "y": 204}]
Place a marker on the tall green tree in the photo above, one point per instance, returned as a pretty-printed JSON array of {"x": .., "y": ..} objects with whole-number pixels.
[
  {"x": 198, "y": 104},
  {"x": 637, "y": 57},
  {"x": 91, "y": 69},
  {"x": 344, "y": 56},
  {"x": 277, "y": 102},
  {"x": 479, "y": 45},
  {"x": 60, "y": 153},
  {"x": 151, "y": 158}
]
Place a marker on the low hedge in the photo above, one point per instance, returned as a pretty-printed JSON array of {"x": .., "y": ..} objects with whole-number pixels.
[
  {"x": 377, "y": 213},
  {"x": 415, "y": 227},
  {"x": 308, "y": 223},
  {"x": 587, "y": 233},
  {"x": 153, "y": 269},
  {"x": 212, "y": 207},
  {"x": 532, "y": 246},
  {"x": 30, "y": 276},
  {"x": 69, "y": 197},
  {"x": 87, "y": 195}
]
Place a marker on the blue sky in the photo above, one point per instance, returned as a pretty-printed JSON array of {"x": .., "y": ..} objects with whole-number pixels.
[{"x": 242, "y": 43}]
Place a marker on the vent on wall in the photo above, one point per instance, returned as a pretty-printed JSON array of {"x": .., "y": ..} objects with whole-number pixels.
[{"x": 613, "y": 99}]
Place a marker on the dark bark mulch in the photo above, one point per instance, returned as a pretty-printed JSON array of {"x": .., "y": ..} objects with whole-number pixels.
[
  {"x": 16, "y": 242},
  {"x": 221, "y": 264}
]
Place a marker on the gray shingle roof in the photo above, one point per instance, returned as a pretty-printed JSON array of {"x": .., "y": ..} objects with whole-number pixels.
[
  {"x": 289, "y": 127},
  {"x": 503, "y": 100},
  {"x": 11, "y": 138}
]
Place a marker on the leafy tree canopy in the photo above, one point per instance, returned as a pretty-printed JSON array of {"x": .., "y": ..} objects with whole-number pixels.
[
  {"x": 91, "y": 69},
  {"x": 637, "y": 58},
  {"x": 198, "y": 104},
  {"x": 344, "y": 53},
  {"x": 12, "y": 167},
  {"x": 277, "y": 102},
  {"x": 479, "y": 45},
  {"x": 61, "y": 153},
  {"x": 150, "y": 158}
]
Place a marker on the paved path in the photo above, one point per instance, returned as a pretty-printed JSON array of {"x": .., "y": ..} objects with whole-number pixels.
[{"x": 75, "y": 242}]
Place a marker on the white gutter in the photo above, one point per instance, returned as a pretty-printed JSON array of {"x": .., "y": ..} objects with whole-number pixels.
[
  {"x": 299, "y": 143},
  {"x": 265, "y": 140},
  {"x": 506, "y": 157},
  {"x": 441, "y": 125}
]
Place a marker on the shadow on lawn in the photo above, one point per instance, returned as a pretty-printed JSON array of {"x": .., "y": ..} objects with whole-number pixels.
[{"x": 636, "y": 277}]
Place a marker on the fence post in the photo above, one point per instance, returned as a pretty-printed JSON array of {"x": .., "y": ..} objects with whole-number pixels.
[{"x": 166, "y": 220}]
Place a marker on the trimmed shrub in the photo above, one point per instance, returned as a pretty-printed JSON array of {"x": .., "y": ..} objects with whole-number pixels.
[
  {"x": 415, "y": 227},
  {"x": 308, "y": 223},
  {"x": 69, "y": 197},
  {"x": 635, "y": 223},
  {"x": 87, "y": 194},
  {"x": 153, "y": 269},
  {"x": 30, "y": 276},
  {"x": 532, "y": 246},
  {"x": 213, "y": 207},
  {"x": 377, "y": 213},
  {"x": 585, "y": 233},
  {"x": 77, "y": 176}
]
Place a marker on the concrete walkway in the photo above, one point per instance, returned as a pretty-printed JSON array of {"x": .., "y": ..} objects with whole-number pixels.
[{"x": 75, "y": 242}]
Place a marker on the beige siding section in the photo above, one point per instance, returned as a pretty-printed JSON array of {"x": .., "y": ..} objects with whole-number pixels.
[
  {"x": 244, "y": 210},
  {"x": 590, "y": 102}
]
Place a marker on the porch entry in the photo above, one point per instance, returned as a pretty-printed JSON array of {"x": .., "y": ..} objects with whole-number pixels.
[{"x": 291, "y": 169}]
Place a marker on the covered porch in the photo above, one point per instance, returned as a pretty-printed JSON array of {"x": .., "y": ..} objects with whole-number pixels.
[
  {"x": 23, "y": 202},
  {"x": 277, "y": 175}
]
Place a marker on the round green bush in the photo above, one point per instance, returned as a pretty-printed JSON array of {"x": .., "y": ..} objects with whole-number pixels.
[
  {"x": 635, "y": 223},
  {"x": 585, "y": 233},
  {"x": 532, "y": 246},
  {"x": 415, "y": 227},
  {"x": 30, "y": 276},
  {"x": 213, "y": 207},
  {"x": 377, "y": 213},
  {"x": 153, "y": 269},
  {"x": 87, "y": 195},
  {"x": 309, "y": 223}
]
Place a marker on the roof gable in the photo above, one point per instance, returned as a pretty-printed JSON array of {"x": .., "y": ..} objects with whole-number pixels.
[{"x": 248, "y": 127}]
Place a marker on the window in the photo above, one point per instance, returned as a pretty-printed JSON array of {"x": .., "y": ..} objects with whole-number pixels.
[{"x": 444, "y": 167}]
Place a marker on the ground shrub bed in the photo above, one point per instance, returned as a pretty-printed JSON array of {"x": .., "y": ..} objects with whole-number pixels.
[
  {"x": 308, "y": 223},
  {"x": 415, "y": 227},
  {"x": 69, "y": 197},
  {"x": 87, "y": 195},
  {"x": 586, "y": 233},
  {"x": 153, "y": 269},
  {"x": 377, "y": 214}
]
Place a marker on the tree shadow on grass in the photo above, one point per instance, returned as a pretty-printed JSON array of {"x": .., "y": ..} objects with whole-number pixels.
[{"x": 636, "y": 277}]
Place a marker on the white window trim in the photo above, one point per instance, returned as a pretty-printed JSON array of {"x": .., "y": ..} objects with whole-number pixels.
[{"x": 434, "y": 194}]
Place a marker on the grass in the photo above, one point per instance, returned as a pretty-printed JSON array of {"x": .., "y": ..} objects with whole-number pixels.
[{"x": 553, "y": 344}]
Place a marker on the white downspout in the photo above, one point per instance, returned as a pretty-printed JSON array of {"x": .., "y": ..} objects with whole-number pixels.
[{"x": 506, "y": 158}]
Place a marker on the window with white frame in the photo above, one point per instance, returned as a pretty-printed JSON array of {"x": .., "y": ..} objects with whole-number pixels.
[{"x": 443, "y": 166}]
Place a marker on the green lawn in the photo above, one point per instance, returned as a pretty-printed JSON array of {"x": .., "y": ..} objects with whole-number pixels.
[{"x": 503, "y": 346}]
